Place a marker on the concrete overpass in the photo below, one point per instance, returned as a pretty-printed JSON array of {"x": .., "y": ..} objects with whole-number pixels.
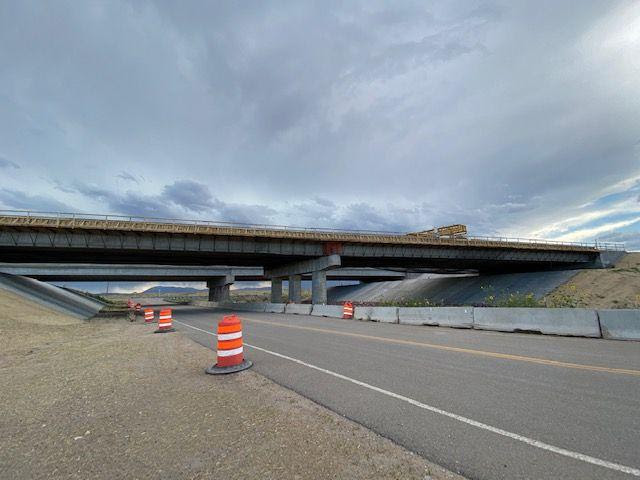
[
  {"x": 221, "y": 277},
  {"x": 284, "y": 252}
]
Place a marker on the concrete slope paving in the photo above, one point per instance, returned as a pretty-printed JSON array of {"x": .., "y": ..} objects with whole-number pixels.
[
  {"x": 453, "y": 290},
  {"x": 50, "y": 296},
  {"x": 579, "y": 397}
]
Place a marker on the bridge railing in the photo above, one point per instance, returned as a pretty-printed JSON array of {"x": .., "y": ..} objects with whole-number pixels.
[{"x": 612, "y": 246}]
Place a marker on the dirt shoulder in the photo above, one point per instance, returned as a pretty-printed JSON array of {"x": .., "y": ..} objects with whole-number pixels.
[
  {"x": 109, "y": 399},
  {"x": 617, "y": 287}
]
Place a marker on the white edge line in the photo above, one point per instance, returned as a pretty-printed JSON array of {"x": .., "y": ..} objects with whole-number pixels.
[{"x": 529, "y": 441}]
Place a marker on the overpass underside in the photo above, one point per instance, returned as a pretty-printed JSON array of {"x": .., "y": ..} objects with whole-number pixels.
[
  {"x": 68, "y": 246},
  {"x": 282, "y": 254}
]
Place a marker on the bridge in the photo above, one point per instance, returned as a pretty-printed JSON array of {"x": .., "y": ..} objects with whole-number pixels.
[
  {"x": 282, "y": 251},
  {"x": 219, "y": 278}
]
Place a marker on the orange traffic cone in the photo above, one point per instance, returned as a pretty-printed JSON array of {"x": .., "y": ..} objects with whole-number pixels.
[
  {"x": 165, "y": 323},
  {"x": 230, "y": 352}
]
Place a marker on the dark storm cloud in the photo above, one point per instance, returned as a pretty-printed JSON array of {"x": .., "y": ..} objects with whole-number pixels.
[
  {"x": 19, "y": 200},
  {"x": 6, "y": 163},
  {"x": 374, "y": 115},
  {"x": 190, "y": 195},
  {"x": 180, "y": 199}
]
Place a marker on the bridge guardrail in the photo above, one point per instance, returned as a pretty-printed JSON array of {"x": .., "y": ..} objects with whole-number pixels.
[{"x": 264, "y": 228}]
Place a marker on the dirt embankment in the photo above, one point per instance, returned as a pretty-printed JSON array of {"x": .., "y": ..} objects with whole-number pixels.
[
  {"x": 617, "y": 287},
  {"x": 109, "y": 399}
]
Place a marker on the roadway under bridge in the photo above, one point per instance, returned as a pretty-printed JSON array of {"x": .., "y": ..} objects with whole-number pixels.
[{"x": 283, "y": 252}]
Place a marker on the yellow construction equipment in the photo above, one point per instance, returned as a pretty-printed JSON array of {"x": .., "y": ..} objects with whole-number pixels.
[{"x": 448, "y": 231}]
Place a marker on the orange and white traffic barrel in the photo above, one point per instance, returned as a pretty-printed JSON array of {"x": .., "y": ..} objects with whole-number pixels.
[
  {"x": 347, "y": 310},
  {"x": 165, "y": 321},
  {"x": 130, "y": 303},
  {"x": 149, "y": 315},
  {"x": 230, "y": 351},
  {"x": 138, "y": 308}
]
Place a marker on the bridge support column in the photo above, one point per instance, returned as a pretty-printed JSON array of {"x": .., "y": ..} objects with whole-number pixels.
[
  {"x": 319, "y": 287},
  {"x": 316, "y": 266},
  {"x": 276, "y": 290},
  {"x": 295, "y": 288},
  {"x": 219, "y": 288}
]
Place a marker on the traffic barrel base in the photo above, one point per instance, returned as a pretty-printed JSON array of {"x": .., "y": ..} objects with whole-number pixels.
[
  {"x": 166, "y": 330},
  {"x": 216, "y": 370}
]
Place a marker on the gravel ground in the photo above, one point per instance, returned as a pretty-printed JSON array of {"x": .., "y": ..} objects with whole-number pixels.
[{"x": 109, "y": 399}]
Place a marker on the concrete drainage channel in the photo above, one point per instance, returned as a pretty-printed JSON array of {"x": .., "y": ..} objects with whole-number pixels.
[{"x": 579, "y": 322}]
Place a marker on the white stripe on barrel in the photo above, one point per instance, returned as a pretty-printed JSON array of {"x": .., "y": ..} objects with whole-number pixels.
[
  {"x": 229, "y": 353},
  {"x": 229, "y": 336}
]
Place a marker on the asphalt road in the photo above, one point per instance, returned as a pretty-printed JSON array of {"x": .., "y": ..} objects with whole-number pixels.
[{"x": 486, "y": 405}]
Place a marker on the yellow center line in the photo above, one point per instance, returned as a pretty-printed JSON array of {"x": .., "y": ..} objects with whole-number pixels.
[{"x": 483, "y": 353}]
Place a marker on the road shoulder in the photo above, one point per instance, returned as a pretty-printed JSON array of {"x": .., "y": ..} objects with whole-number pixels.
[{"x": 109, "y": 399}]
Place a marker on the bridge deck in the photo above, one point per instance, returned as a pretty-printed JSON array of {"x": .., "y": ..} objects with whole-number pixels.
[{"x": 133, "y": 224}]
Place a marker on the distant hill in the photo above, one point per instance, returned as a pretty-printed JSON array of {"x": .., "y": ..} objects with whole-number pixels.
[{"x": 161, "y": 289}]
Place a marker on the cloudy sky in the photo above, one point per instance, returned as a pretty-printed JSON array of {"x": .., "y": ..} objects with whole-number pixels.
[{"x": 516, "y": 118}]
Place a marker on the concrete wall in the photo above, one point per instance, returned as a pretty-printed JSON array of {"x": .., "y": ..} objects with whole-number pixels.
[
  {"x": 459, "y": 317},
  {"x": 334, "y": 311},
  {"x": 579, "y": 322},
  {"x": 274, "y": 307},
  {"x": 298, "y": 308},
  {"x": 50, "y": 296},
  {"x": 248, "y": 307},
  {"x": 611, "y": 324},
  {"x": 377, "y": 314},
  {"x": 620, "y": 324}
]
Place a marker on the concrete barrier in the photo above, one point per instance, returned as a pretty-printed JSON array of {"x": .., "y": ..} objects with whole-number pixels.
[
  {"x": 298, "y": 308},
  {"x": 220, "y": 305},
  {"x": 579, "y": 322},
  {"x": 249, "y": 307},
  {"x": 334, "y": 311},
  {"x": 620, "y": 324},
  {"x": 377, "y": 314},
  {"x": 274, "y": 308},
  {"x": 458, "y": 317},
  {"x": 203, "y": 303}
]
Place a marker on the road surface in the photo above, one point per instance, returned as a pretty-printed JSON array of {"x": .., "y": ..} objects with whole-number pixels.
[{"x": 486, "y": 405}]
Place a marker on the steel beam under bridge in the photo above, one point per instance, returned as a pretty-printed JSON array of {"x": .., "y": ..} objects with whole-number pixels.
[{"x": 99, "y": 272}]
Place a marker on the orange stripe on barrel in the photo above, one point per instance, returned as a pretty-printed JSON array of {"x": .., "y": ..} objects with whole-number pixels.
[
  {"x": 229, "y": 328},
  {"x": 229, "y": 344}
]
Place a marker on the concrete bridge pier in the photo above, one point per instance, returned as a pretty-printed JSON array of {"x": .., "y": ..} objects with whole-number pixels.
[
  {"x": 319, "y": 287},
  {"x": 219, "y": 288},
  {"x": 276, "y": 290},
  {"x": 295, "y": 288},
  {"x": 317, "y": 267}
]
